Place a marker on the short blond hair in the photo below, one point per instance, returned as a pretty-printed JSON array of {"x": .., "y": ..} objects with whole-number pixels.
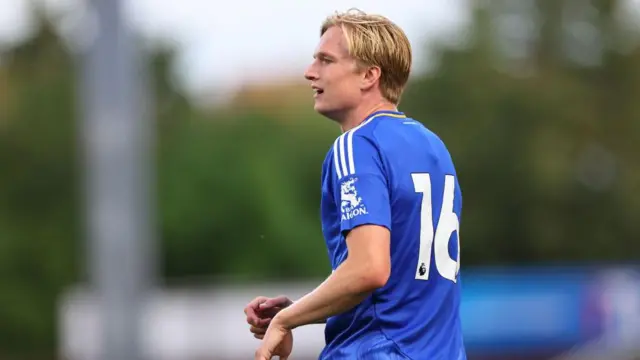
[{"x": 374, "y": 40}]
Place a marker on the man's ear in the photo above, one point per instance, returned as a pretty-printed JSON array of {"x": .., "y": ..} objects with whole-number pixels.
[{"x": 370, "y": 76}]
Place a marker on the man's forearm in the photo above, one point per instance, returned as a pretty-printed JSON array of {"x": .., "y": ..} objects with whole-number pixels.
[{"x": 345, "y": 288}]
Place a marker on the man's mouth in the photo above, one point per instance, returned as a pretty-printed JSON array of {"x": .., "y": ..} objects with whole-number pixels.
[{"x": 317, "y": 91}]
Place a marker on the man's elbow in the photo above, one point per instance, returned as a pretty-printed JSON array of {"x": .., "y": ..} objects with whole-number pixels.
[{"x": 373, "y": 277}]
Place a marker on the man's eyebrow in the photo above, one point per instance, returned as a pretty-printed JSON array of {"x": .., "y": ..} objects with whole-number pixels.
[{"x": 322, "y": 54}]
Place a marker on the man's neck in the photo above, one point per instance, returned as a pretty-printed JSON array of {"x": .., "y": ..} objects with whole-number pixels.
[{"x": 358, "y": 115}]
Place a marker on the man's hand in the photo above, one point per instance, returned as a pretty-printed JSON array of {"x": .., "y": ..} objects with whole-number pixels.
[
  {"x": 261, "y": 310},
  {"x": 278, "y": 341},
  {"x": 367, "y": 268}
]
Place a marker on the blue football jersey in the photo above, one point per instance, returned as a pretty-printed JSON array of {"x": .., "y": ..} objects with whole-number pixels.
[{"x": 392, "y": 171}]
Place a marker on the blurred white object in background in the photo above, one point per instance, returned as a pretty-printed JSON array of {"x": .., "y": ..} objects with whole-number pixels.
[{"x": 185, "y": 324}]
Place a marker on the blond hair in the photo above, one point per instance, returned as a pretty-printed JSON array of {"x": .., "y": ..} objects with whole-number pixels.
[{"x": 373, "y": 40}]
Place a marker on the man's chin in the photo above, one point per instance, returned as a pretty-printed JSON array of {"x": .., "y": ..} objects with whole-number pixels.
[{"x": 318, "y": 106}]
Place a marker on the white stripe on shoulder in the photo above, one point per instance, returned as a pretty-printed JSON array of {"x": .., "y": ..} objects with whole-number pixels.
[
  {"x": 352, "y": 164},
  {"x": 336, "y": 162},
  {"x": 343, "y": 161}
]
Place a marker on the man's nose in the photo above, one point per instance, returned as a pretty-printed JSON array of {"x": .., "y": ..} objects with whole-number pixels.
[{"x": 310, "y": 74}]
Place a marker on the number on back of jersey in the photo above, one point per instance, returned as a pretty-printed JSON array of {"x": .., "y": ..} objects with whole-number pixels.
[{"x": 437, "y": 240}]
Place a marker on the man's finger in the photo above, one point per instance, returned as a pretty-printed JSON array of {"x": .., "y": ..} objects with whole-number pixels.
[
  {"x": 258, "y": 330},
  {"x": 259, "y": 320},
  {"x": 252, "y": 309},
  {"x": 278, "y": 301},
  {"x": 255, "y": 303},
  {"x": 267, "y": 312},
  {"x": 258, "y": 336},
  {"x": 252, "y": 305},
  {"x": 253, "y": 318},
  {"x": 263, "y": 323}
]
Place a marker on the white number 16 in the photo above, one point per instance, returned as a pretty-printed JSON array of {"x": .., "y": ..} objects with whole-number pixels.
[{"x": 447, "y": 224}]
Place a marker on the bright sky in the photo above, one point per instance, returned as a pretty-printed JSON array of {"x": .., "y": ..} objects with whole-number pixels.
[{"x": 225, "y": 43}]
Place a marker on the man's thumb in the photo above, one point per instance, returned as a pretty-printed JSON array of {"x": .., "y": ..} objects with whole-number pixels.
[
  {"x": 265, "y": 305},
  {"x": 270, "y": 303}
]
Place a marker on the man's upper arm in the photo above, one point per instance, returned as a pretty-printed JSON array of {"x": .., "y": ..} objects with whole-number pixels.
[
  {"x": 362, "y": 191},
  {"x": 362, "y": 195}
]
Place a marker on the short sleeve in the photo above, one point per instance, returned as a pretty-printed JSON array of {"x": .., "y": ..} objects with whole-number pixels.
[{"x": 362, "y": 192}]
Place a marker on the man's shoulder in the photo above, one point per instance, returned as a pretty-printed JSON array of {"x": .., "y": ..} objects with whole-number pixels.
[
  {"x": 403, "y": 133},
  {"x": 357, "y": 140}
]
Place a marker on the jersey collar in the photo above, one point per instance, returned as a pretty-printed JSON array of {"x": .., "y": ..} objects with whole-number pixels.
[{"x": 390, "y": 113}]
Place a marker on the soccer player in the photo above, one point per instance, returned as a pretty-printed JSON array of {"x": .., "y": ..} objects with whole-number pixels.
[{"x": 390, "y": 210}]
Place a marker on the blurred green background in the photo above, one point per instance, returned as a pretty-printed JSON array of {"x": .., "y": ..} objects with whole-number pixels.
[{"x": 545, "y": 135}]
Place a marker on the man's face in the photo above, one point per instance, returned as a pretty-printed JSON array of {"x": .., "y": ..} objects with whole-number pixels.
[{"x": 334, "y": 75}]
